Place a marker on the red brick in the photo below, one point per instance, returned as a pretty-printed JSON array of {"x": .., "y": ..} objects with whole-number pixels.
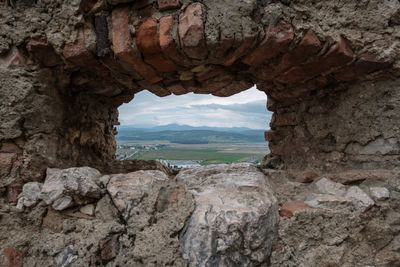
[
  {"x": 122, "y": 46},
  {"x": 286, "y": 119},
  {"x": 148, "y": 42},
  {"x": 147, "y": 38},
  {"x": 177, "y": 89},
  {"x": 43, "y": 52},
  {"x": 289, "y": 209},
  {"x": 273, "y": 136},
  {"x": 168, "y": 4},
  {"x": 247, "y": 44},
  {"x": 277, "y": 40},
  {"x": 338, "y": 56},
  {"x": 12, "y": 193},
  {"x": 191, "y": 31},
  {"x": 216, "y": 83},
  {"x": 14, "y": 256},
  {"x": 167, "y": 32},
  {"x": 14, "y": 58},
  {"x": 308, "y": 47},
  {"x": 155, "y": 89},
  {"x": 234, "y": 88},
  {"x": 368, "y": 63},
  {"x": 6, "y": 163},
  {"x": 123, "y": 98}
]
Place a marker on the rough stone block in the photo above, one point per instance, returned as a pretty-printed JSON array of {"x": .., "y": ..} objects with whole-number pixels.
[
  {"x": 168, "y": 4},
  {"x": 230, "y": 199},
  {"x": 191, "y": 31},
  {"x": 109, "y": 248},
  {"x": 13, "y": 192},
  {"x": 6, "y": 163},
  {"x": 285, "y": 119}
]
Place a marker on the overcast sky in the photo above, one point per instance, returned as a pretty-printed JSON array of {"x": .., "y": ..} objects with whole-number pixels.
[{"x": 247, "y": 109}]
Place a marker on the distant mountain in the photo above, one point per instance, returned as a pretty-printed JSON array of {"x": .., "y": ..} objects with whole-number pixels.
[{"x": 185, "y": 134}]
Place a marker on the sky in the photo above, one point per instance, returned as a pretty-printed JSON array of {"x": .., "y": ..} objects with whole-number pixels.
[{"x": 246, "y": 109}]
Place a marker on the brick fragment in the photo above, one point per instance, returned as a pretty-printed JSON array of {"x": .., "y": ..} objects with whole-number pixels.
[
  {"x": 168, "y": 4},
  {"x": 123, "y": 49},
  {"x": 290, "y": 209},
  {"x": 155, "y": 89},
  {"x": 233, "y": 88},
  {"x": 177, "y": 89},
  {"x": 339, "y": 55},
  {"x": 14, "y": 257},
  {"x": 148, "y": 42},
  {"x": 12, "y": 193},
  {"x": 191, "y": 31},
  {"x": 285, "y": 119},
  {"x": 167, "y": 31},
  {"x": 277, "y": 39},
  {"x": 14, "y": 58}
]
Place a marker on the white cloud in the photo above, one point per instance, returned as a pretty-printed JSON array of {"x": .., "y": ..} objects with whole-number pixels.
[{"x": 246, "y": 109}]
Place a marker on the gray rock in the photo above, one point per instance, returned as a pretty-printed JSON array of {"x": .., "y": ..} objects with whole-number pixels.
[
  {"x": 379, "y": 193},
  {"x": 327, "y": 201},
  {"x": 66, "y": 257},
  {"x": 69, "y": 187},
  {"x": 105, "y": 210},
  {"x": 326, "y": 186},
  {"x": 359, "y": 198},
  {"x": 30, "y": 195},
  {"x": 236, "y": 216},
  {"x": 126, "y": 190},
  {"x": 87, "y": 209}
]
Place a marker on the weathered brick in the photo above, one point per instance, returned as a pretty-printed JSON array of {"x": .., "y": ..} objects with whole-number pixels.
[
  {"x": 277, "y": 40},
  {"x": 339, "y": 55},
  {"x": 233, "y": 88},
  {"x": 289, "y": 209},
  {"x": 148, "y": 42},
  {"x": 12, "y": 193},
  {"x": 273, "y": 136},
  {"x": 155, "y": 89},
  {"x": 247, "y": 44},
  {"x": 177, "y": 89},
  {"x": 168, "y": 4},
  {"x": 43, "y": 52},
  {"x": 286, "y": 119},
  {"x": 14, "y": 257},
  {"x": 367, "y": 63},
  {"x": 191, "y": 31},
  {"x": 309, "y": 46},
  {"x": 167, "y": 31},
  {"x": 6, "y": 163},
  {"x": 122, "y": 46}
]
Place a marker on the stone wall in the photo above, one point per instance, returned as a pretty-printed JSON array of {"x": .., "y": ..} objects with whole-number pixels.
[
  {"x": 67, "y": 65},
  {"x": 352, "y": 127}
]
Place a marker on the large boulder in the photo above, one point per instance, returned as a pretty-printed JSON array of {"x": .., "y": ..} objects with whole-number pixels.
[
  {"x": 236, "y": 216},
  {"x": 69, "y": 187}
]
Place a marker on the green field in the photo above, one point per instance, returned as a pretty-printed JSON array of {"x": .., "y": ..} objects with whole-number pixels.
[{"x": 206, "y": 154}]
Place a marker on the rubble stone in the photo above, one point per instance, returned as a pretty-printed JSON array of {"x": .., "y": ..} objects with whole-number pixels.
[
  {"x": 235, "y": 219},
  {"x": 65, "y": 188}
]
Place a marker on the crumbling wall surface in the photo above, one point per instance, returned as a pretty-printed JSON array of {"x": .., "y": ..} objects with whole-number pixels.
[
  {"x": 98, "y": 54},
  {"x": 353, "y": 128}
]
